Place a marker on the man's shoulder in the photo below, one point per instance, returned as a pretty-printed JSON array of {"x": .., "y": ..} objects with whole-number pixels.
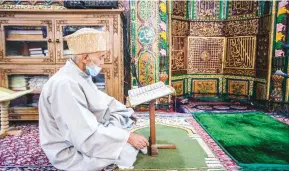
[{"x": 59, "y": 80}]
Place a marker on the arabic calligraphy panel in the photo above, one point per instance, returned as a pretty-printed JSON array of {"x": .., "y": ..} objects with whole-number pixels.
[
  {"x": 240, "y": 52},
  {"x": 207, "y": 9},
  {"x": 239, "y": 9},
  {"x": 206, "y": 28}
]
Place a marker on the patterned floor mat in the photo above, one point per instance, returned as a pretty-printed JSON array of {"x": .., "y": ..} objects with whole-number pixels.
[{"x": 24, "y": 152}]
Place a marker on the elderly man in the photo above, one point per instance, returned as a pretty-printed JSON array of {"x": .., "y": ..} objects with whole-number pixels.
[{"x": 82, "y": 128}]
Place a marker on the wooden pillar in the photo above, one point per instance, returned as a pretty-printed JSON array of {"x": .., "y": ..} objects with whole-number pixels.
[{"x": 153, "y": 141}]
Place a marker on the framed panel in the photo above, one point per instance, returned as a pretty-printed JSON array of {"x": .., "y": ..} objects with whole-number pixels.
[
  {"x": 205, "y": 86},
  {"x": 238, "y": 87},
  {"x": 179, "y": 87},
  {"x": 261, "y": 91}
]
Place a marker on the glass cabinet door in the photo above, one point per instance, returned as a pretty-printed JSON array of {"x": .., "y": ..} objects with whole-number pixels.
[
  {"x": 66, "y": 27},
  {"x": 27, "y": 42}
]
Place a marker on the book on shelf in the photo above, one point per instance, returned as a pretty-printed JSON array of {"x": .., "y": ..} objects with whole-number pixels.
[
  {"x": 35, "y": 49},
  {"x": 148, "y": 93},
  {"x": 24, "y": 27},
  {"x": 25, "y": 36},
  {"x": 31, "y": 32},
  {"x": 37, "y": 55},
  {"x": 35, "y": 52}
]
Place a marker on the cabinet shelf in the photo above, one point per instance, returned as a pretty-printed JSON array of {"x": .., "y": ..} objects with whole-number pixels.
[{"x": 26, "y": 40}]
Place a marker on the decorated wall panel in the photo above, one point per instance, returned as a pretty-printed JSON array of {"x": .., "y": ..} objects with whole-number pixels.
[
  {"x": 179, "y": 87},
  {"x": 241, "y": 27},
  {"x": 209, "y": 10},
  {"x": 238, "y": 87},
  {"x": 179, "y": 62},
  {"x": 262, "y": 55},
  {"x": 281, "y": 52},
  {"x": 205, "y": 54},
  {"x": 265, "y": 24},
  {"x": 149, "y": 41},
  {"x": 205, "y": 29},
  {"x": 202, "y": 86},
  {"x": 247, "y": 83},
  {"x": 261, "y": 91},
  {"x": 206, "y": 9},
  {"x": 240, "y": 56},
  {"x": 179, "y": 9},
  {"x": 242, "y": 9},
  {"x": 180, "y": 27},
  {"x": 179, "y": 32}
]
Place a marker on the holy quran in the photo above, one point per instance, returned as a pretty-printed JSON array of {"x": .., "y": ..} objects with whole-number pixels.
[{"x": 147, "y": 93}]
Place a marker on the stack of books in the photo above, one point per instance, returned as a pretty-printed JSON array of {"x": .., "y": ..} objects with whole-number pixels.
[
  {"x": 18, "y": 83},
  {"x": 36, "y": 52},
  {"x": 100, "y": 85},
  {"x": 37, "y": 82}
]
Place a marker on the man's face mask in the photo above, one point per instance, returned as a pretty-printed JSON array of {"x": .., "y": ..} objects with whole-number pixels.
[{"x": 93, "y": 69}]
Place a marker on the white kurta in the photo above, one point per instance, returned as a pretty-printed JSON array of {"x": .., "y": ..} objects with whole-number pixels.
[{"x": 80, "y": 127}]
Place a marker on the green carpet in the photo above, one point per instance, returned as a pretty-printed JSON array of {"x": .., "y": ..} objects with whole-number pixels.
[
  {"x": 250, "y": 138},
  {"x": 189, "y": 154}
]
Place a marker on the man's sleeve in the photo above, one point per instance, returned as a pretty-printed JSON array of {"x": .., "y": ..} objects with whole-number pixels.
[{"x": 69, "y": 105}]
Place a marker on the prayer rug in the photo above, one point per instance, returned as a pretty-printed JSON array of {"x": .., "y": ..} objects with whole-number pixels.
[
  {"x": 254, "y": 140},
  {"x": 191, "y": 152}
]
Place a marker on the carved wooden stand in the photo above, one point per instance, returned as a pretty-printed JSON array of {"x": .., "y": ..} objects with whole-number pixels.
[
  {"x": 153, "y": 147},
  {"x": 5, "y": 130}
]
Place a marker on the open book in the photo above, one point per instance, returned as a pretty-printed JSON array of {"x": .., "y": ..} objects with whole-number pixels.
[{"x": 147, "y": 93}]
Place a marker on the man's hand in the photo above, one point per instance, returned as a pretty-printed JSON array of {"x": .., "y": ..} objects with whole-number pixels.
[
  {"x": 134, "y": 117},
  {"x": 137, "y": 141}
]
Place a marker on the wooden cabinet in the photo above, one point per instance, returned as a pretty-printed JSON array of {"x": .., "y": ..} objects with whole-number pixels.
[
  {"x": 32, "y": 49},
  {"x": 15, "y": 46}
]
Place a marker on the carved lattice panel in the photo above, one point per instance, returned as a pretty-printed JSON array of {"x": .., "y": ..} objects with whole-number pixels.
[
  {"x": 209, "y": 29},
  {"x": 179, "y": 8},
  {"x": 242, "y": 9},
  {"x": 180, "y": 28},
  {"x": 178, "y": 55},
  {"x": 240, "y": 55},
  {"x": 207, "y": 9},
  {"x": 262, "y": 56},
  {"x": 205, "y": 54}
]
